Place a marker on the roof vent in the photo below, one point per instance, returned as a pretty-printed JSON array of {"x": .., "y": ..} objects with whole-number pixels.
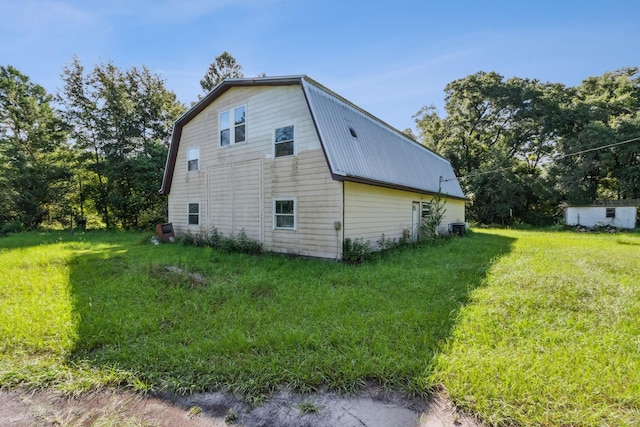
[{"x": 353, "y": 133}]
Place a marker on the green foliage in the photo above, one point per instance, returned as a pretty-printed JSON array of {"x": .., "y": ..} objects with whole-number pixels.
[
  {"x": 11, "y": 227},
  {"x": 602, "y": 110},
  {"x": 496, "y": 134},
  {"x": 121, "y": 123},
  {"x": 429, "y": 225},
  {"x": 308, "y": 407},
  {"x": 224, "y": 66},
  {"x": 33, "y": 151},
  {"x": 514, "y": 143},
  {"x": 356, "y": 251},
  {"x": 234, "y": 243},
  {"x": 385, "y": 243}
]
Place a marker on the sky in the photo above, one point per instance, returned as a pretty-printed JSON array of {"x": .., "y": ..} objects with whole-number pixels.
[{"x": 390, "y": 58}]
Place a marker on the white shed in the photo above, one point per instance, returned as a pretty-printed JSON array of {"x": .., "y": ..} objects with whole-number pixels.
[{"x": 615, "y": 215}]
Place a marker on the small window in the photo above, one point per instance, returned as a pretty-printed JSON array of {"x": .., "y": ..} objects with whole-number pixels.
[
  {"x": 194, "y": 214},
  {"x": 611, "y": 213},
  {"x": 193, "y": 156},
  {"x": 284, "y": 141},
  {"x": 353, "y": 133},
  {"x": 426, "y": 210},
  {"x": 284, "y": 214}
]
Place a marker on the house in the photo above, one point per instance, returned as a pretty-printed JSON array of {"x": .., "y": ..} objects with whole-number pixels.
[
  {"x": 300, "y": 169},
  {"x": 616, "y": 213}
]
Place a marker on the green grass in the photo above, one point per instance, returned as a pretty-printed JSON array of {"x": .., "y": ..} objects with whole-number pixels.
[
  {"x": 554, "y": 337},
  {"x": 520, "y": 327},
  {"x": 85, "y": 311}
]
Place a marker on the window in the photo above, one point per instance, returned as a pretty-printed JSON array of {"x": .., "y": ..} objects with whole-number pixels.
[
  {"x": 239, "y": 124},
  {"x": 284, "y": 141},
  {"x": 233, "y": 133},
  {"x": 194, "y": 214},
  {"x": 193, "y": 155},
  {"x": 611, "y": 213},
  {"x": 426, "y": 210},
  {"x": 284, "y": 214},
  {"x": 224, "y": 129}
]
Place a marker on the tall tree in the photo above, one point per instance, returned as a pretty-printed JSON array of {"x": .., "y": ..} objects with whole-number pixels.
[
  {"x": 602, "y": 111},
  {"x": 494, "y": 126},
  {"x": 223, "y": 66},
  {"x": 121, "y": 122},
  {"x": 32, "y": 150}
]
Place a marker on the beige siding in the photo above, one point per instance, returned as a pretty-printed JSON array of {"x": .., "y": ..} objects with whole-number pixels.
[
  {"x": 220, "y": 207},
  {"x": 370, "y": 211},
  {"x": 318, "y": 198},
  {"x": 236, "y": 185}
]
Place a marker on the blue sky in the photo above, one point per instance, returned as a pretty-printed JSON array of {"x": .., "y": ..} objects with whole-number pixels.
[{"x": 390, "y": 58}]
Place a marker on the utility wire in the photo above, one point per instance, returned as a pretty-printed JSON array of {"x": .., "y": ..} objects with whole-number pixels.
[
  {"x": 551, "y": 158},
  {"x": 596, "y": 148}
]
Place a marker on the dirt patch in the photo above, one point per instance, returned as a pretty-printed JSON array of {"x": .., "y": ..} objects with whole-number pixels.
[{"x": 371, "y": 408}]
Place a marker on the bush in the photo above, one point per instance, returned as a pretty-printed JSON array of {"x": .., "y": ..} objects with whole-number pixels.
[
  {"x": 356, "y": 251},
  {"x": 240, "y": 243},
  {"x": 385, "y": 243},
  {"x": 11, "y": 227}
]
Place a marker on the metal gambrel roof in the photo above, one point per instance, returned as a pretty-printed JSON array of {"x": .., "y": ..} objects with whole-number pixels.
[{"x": 358, "y": 146}]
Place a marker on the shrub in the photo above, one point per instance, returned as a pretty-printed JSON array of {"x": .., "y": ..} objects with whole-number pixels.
[
  {"x": 356, "y": 251},
  {"x": 385, "y": 243},
  {"x": 11, "y": 227},
  {"x": 240, "y": 243}
]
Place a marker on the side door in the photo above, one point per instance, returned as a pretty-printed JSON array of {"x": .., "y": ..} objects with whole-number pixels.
[{"x": 415, "y": 221}]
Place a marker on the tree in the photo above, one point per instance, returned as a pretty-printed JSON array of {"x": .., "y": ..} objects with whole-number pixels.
[
  {"x": 33, "y": 170},
  {"x": 603, "y": 110},
  {"x": 494, "y": 124},
  {"x": 121, "y": 125},
  {"x": 224, "y": 66}
]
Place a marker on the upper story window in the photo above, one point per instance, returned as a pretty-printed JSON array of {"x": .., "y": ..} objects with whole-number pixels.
[
  {"x": 610, "y": 213},
  {"x": 233, "y": 126},
  {"x": 284, "y": 141},
  {"x": 193, "y": 158}
]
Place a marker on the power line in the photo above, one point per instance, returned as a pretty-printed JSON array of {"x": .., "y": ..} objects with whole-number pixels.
[
  {"x": 551, "y": 158},
  {"x": 597, "y": 148}
]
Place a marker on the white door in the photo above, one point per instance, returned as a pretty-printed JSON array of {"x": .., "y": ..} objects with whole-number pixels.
[{"x": 415, "y": 221}]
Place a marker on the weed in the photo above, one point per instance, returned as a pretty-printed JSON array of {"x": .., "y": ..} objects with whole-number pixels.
[
  {"x": 194, "y": 411},
  {"x": 308, "y": 407},
  {"x": 231, "y": 416},
  {"x": 234, "y": 243},
  {"x": 356, "y": 251}
]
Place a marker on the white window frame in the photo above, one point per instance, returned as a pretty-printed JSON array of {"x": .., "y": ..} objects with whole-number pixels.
[
  {"x": 295, "y": 213},
  {"x": 293, "y": 140},
  {"x": 190, "y": 150},
  {"x": 232, "y": 126},
  {"x": 189, "y": 214}
]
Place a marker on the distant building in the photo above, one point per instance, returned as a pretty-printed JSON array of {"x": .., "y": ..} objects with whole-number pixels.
[{"x": 616, "y": 213}]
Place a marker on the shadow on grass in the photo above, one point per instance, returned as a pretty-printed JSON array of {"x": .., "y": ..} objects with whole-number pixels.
[
  {"x": 264, "y": 321},
  {"x": 30, "y": 239}
]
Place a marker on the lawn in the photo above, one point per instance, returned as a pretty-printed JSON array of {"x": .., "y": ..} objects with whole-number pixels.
[{"x": 518, "y": 327}]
